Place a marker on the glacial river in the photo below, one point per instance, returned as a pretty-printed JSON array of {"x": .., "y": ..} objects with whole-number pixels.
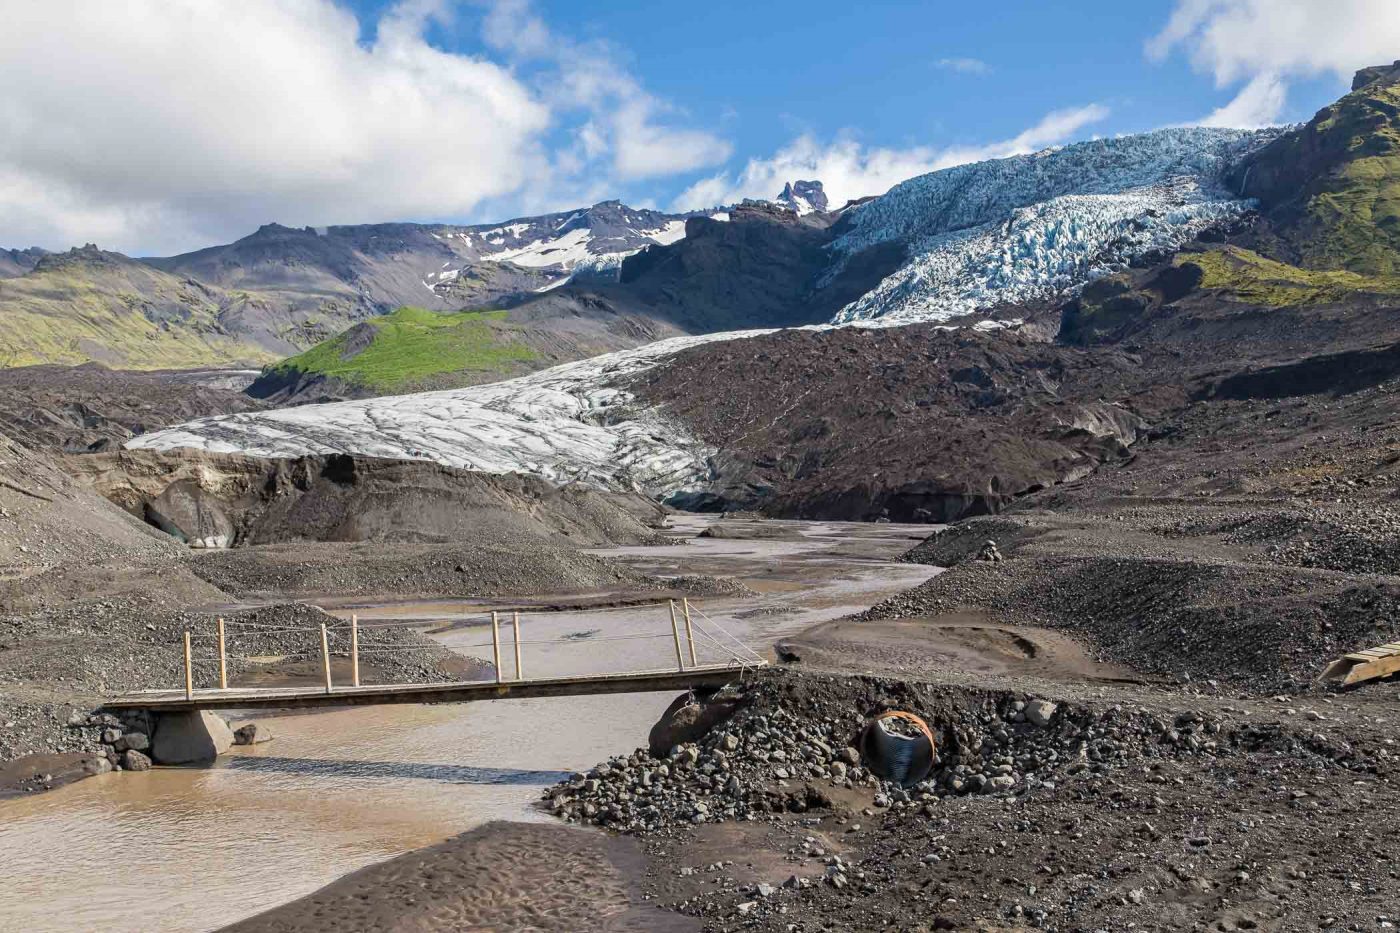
[{"x": 189, "y": 849}]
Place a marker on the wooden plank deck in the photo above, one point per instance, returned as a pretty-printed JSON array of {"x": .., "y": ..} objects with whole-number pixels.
[
  {"x": 459, "y": 692},
  {"x": 1360, "y": 666}
]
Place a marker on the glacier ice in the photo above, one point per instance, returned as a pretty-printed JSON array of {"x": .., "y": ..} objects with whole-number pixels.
[
  {"x": 1033, "y": 226},
  {"x": 977, "y": 236},
  {"x": 570, "y": 423}
]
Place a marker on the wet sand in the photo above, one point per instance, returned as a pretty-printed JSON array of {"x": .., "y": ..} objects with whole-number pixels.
[
  {"x": 946, "y": 646},
  {"x": 502, "y": 876},
  {"x": 36, "y": 773}
]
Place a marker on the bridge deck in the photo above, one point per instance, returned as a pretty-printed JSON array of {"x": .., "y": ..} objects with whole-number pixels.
[{"x": 459, "y": 692}]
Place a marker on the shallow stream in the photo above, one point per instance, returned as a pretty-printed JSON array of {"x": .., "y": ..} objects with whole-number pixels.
[{"x": 188, "y": 849}]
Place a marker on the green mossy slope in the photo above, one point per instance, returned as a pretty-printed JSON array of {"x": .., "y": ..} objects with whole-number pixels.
[
  {"x": 100, "y": 306},
  {"x": 1249, "y": 277},
  {"x": 406, "y": 349},
  {"x": 1331, "y": 189}
]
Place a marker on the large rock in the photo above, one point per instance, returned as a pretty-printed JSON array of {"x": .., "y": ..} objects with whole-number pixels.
[
  {"x": 132, "y": 741},
  {"x": 182, "y": 738},
  {"x": 688, "y": 719},
  {"x": 1040, "y": 712},
  {"x": 251, "y": 733}
]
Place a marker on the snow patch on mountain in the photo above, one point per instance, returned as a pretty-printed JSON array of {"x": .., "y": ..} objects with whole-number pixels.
[
  {"x": 588, "y": 244},
  {"x": 1035, "y": 226},
  {"x": 804, "y": 197}
]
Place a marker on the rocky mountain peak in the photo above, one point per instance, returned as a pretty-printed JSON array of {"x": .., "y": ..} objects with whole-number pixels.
[
  {"x": 803, "y": 196},
  {"x": 274, "y": 231},
  {"x": 15, "y": 262},
  {"x": 89, "y": 254},
  {"x": 1388, "y": 74}
]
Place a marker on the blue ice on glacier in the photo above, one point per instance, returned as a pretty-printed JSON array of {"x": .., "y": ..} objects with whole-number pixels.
[{"x": 1035, "y": 226}]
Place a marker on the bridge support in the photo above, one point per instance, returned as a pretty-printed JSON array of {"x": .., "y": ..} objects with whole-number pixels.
[{"x": 188, "y": 736}]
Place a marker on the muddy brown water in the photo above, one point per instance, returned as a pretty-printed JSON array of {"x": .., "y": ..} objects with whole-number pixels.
[{"x": 187, "y": 849}]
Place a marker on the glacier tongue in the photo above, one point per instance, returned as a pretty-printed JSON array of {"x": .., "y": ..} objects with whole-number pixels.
[
  {"x": 566, "y": 424},
  {"x": 1033, "y": 226},
  {"x": 977, "y": 236}
]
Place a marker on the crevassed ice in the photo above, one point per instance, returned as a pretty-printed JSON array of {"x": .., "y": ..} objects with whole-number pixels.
[
  {"x": 978, "y": 235},
  {"x": 567, "y": 424},
  {"x": 1030, "y": 226},
  {"x": 1042, "y": 251}
]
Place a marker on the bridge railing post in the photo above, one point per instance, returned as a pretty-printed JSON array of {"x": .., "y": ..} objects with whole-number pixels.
[
  {"x": 676, "y": 634},
  {"x": 689, "y": 633},
  {"x": 516, "y": 620},
  {"x": 189, "y": 669},
  {"x": 223, "y": 658},
  {"x": 354, "y": 650},
  {"x": 496, "y": 642},
  {"x": 326, "y": 656}
]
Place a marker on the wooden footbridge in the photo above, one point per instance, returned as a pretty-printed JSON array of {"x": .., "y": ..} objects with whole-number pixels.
[{"x": 705, "y": 654}]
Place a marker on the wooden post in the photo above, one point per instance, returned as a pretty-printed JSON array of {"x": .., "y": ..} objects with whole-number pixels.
[
  {"x": 326, "y": 656},
  {"x": 189, "y": 670},
  {"x": 354, "y": 650},
  {"x": 518, "y": 674},
  {"x": 689, "y": 634},
  {"x": 223, "y": 659},
  {"x": 676, "y": 633},
  {"x": 496, "y": 642}
]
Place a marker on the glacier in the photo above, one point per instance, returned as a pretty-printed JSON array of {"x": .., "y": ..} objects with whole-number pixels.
[
  {"x": 571, "y": 423},
  {"x": 977, "y": 236},
  {"x": 1031, "y": 227}
]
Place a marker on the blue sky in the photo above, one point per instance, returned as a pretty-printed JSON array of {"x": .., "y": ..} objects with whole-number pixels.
[
  {"x": 895, "y": 74},
  {"x": 152, "y": 128}
]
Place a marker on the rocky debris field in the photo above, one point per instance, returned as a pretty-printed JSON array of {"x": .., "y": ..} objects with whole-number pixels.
[
  {"x": 1040, "y": 813},
  {"x": 1246, "y": 543},
  {"x": 910, "y": 424},
  {"x": 91, "y": 407},
  {"x": 411, "y": 570},
  {"x": 1187, "y": 618}
]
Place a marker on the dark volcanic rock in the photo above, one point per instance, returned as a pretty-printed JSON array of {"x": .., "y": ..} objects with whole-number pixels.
[
  {"x": 19, "y": 261},
  {"x": 91, "y": 407},
  {"x": 912, "y": 423},
  {"x": 803, "y": 194}
]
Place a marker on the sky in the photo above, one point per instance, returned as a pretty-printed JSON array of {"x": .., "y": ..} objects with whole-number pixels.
[{"x": 159, "y": 126}]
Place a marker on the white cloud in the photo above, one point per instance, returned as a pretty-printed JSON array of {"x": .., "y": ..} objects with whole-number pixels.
[
  {"x": 631, "y": 125},
  {"x": 1267, "y": 42},
  {"x": 849, "y": 170},
  {"x": 966, "y": 66},
  {"x": 1259, "y": 103},
  {"x": 158, "y": 125}
]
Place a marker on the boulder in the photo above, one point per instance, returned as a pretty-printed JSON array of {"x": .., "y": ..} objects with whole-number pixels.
[
  {"x": 251, "y": 733},
  {"x": 689, "y": 719},
  {"x": 132, "y": 741},
  {"x": 1040, "y": 712},
  {"x": 182, "y": 738},
  {"x": 135, "y": 761}
]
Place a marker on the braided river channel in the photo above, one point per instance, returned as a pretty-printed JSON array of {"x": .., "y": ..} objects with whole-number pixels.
[{"x": 187, "y": 849}]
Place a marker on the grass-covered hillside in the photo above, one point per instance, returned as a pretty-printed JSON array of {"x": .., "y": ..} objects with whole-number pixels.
[
  {"x": 1250, "y": 277},
  {"x": 412, "y": 349},
  {"x": 1331, "y": 189},
  {"x": 1201, "y": 288},
  {"x": 92, "y": 305}
]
